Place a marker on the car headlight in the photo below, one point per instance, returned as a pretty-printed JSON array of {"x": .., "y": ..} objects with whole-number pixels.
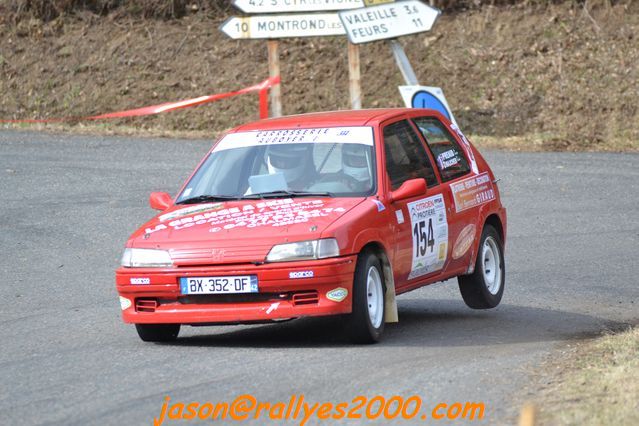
[
  {"x": 146, "y": 258},
  {"x": 304, "y": 250}
]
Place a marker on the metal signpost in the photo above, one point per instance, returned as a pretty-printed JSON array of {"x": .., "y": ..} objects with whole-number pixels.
[{"x": 403, "y": 63}]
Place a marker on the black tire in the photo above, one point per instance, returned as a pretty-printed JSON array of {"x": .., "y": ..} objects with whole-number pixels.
[
  {"x": 158, "y": 332},
  {"x": 359, "y": 325},
  {"x": 474, "y": 288}
]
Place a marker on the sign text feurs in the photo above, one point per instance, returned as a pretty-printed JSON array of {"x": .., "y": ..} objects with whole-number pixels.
[{"x": 388, "y": 21}]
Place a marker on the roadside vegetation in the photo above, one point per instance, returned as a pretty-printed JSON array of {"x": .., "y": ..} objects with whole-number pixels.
[
  {"x": 597, "y": 385},
  {"x": 171, "y": 9},
  {"x": 522, "y": 75}
]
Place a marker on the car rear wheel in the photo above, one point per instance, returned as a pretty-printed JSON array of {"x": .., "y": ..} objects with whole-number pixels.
[
  {"x": 366, "y": 322},
  {"x": 158, "y": 332},
  {"x": 484, "y": 288}
]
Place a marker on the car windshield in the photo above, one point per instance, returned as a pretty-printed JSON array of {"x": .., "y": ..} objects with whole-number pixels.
[{"x": 336, "y": 161}]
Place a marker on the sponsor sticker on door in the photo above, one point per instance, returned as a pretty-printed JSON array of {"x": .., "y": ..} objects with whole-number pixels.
[
  {"x": 472, "y": 192},
  {"x": 464, "y": 241},
  {"x": 429, "y": 229}
]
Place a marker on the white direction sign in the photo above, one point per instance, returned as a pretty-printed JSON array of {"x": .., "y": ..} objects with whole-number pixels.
[
  {"x": 270, "y": 6},
  {"x": 388, "y": 20},
  {"x": 282, "y": 26}
]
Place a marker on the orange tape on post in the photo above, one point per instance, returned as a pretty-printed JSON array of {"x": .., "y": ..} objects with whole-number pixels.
[
  {"x": 263, "y": 104},
  {"x": 262, "y": 88}
]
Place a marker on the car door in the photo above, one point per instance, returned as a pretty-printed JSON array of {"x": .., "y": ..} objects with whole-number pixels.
[
  {"x": 453, "y": 169},
  {"x": 420, "y": 224}
]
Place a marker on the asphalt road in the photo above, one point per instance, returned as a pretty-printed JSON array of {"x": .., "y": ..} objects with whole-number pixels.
[{"x": 69, "y": 203}]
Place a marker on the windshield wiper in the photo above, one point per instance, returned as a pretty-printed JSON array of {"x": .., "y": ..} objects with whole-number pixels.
[
  {"x": 287, "y": 193},
  {"x": 206, "y": 198},
  {"x": 270, "y": 194}
]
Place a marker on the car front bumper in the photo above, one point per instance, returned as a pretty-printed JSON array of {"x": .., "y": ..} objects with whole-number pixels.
[{"x": 152, "y": 295}]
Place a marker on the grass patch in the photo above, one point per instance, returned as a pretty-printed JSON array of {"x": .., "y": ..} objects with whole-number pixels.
[
  {"x": 598, "y": 386},
  {"x": 114, "y": 129},
  {"x": 538, "y": 142}
]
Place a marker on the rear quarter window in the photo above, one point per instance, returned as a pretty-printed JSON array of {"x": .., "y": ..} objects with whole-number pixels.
[{"x": 449, "y": 156}]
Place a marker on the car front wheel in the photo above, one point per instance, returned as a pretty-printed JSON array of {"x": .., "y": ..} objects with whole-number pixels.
[
  {"x": 158, "y": 332},
  {"x": 484, "y": 288},
  {"x": 366, "y": 322}
]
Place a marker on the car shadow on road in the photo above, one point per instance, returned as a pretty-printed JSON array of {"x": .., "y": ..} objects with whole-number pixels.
[{"x": 428, "y": 323}]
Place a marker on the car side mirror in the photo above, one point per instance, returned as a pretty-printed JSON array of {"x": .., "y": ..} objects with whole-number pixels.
[
  {"x": 410, "y": 188},
  {"x": 160, "y": 200}
]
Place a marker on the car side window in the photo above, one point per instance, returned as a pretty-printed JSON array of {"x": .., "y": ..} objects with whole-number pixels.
[
  {"x": 450, "y": 158},
  {"x": 406, "y": 157}
]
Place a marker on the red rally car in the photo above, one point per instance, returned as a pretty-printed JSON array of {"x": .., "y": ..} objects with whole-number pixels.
[{"x": 318, "y": 214}]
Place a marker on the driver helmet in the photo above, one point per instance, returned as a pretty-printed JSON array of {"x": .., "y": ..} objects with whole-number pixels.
[
  {"x": 289, "y": 159},
  {"x": 355, "y": 162}
]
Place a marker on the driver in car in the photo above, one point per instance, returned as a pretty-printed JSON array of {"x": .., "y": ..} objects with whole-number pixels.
[
  {"x": 355, "y": 167},
  {"x": 294, "y": 162},
  {"x": 354, "y": 174}
]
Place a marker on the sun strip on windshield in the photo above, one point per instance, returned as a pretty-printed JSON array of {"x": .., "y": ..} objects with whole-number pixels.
[{"x": 359, "y": 135}]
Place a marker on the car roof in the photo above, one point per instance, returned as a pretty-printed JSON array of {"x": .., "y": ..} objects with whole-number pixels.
[{"x": 361, "y": 117}]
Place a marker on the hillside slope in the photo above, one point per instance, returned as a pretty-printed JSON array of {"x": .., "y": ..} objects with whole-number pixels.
[{"x": 558, "y": 76}]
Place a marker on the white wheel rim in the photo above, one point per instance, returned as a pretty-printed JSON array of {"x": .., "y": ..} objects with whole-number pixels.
[
  {"x": 491, "y": 265},
  {"x": 374, "y": 297}
]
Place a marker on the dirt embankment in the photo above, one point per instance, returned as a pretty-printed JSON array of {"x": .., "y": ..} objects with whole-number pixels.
[{"x": 553, "y": 77}]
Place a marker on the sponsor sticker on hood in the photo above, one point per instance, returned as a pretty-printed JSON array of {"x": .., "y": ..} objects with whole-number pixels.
[
  {"x": 200, "y": 208},
  {"x": 281, "y": 212}
]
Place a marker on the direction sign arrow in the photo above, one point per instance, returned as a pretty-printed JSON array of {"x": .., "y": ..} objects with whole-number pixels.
[
  {"x": 270, "y": 6},
  {"x": 388, "y": 20},
  {"x": 282, "y": 26}
]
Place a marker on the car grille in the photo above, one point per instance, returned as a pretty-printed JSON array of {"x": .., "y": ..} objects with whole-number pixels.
[
  {"x": 146, "y": 305},
  {"x": 306, "y": 298},
  {"x": 296, "y": 298},
  {"x": 220, "y": 255}
]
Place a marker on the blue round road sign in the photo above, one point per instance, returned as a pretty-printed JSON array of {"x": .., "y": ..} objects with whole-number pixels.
[{"x": 424, "y": 99}]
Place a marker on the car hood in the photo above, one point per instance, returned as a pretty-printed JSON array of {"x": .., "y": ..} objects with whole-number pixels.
[{"x": 237, "y": 231}]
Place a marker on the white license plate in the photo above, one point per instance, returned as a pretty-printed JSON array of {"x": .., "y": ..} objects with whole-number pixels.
[{"x": 219, "y": 285}]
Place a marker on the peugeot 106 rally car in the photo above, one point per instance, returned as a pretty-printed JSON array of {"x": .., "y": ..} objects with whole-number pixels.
[{"x": 318, "y": 214}]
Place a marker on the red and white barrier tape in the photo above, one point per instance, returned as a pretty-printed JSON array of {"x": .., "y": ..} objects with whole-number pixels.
[{"x": 262, "y": 88}]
